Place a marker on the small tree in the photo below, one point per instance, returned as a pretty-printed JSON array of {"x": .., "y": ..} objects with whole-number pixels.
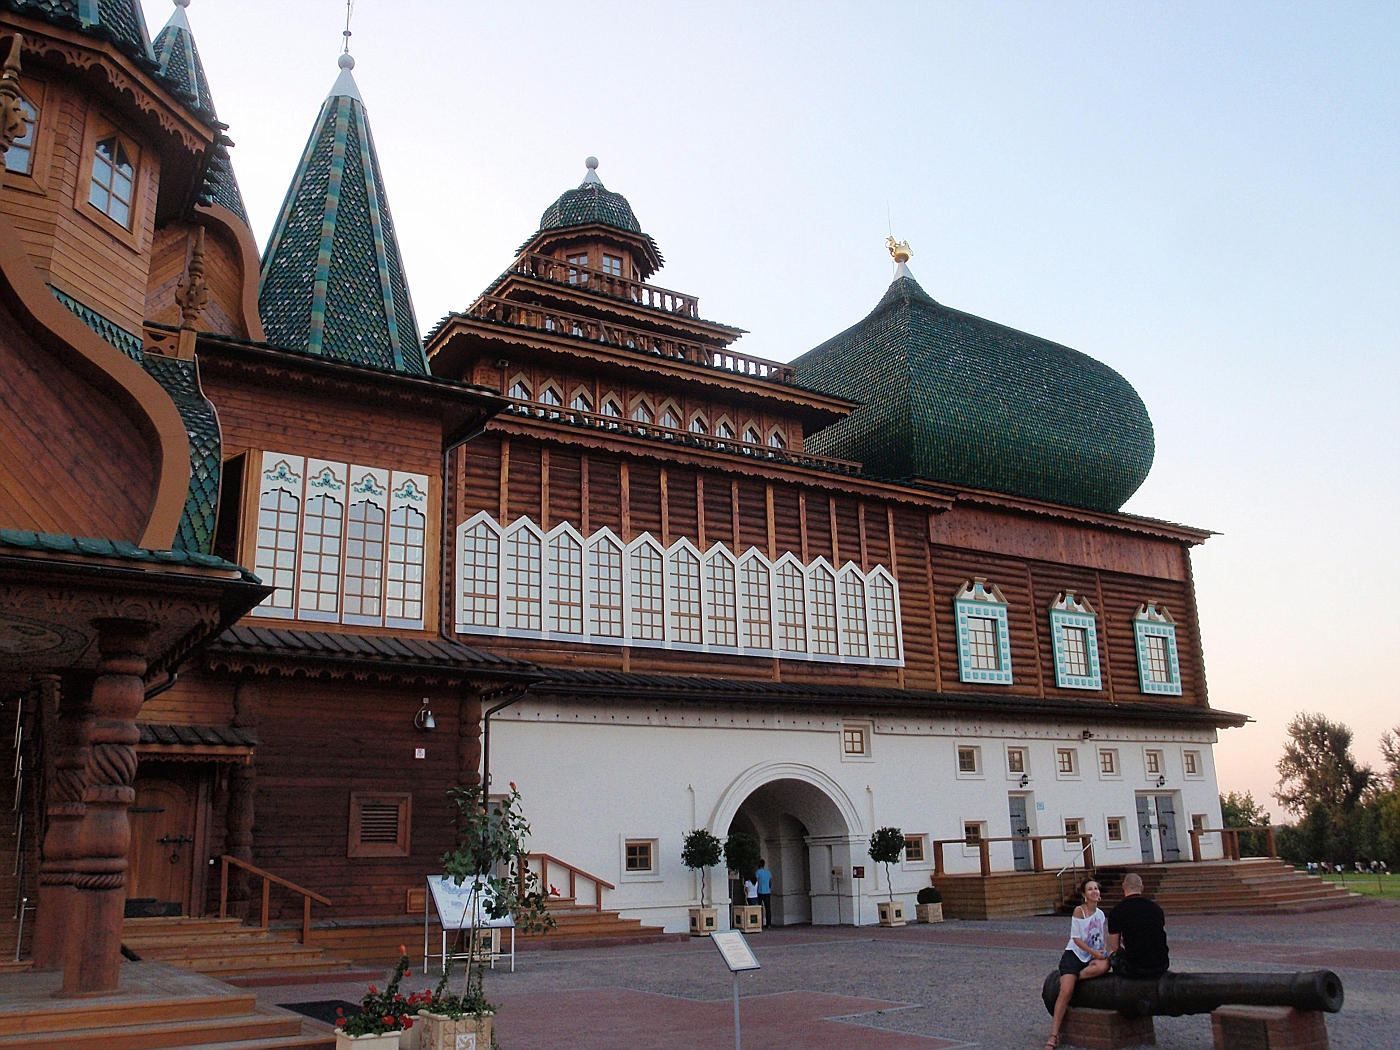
[
  {"x": 1239, "y": 810},
  {"x": 741, "y": 853},
  {"x": 701, "y": 852},
  {"x": 886, "y": 847}
]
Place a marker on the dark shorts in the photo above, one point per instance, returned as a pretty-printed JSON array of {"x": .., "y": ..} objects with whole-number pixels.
[{"x": 1071, "y": 965}]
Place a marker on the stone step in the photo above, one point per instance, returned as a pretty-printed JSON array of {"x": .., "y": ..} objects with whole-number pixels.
[{"x": 259, "y": 1024}]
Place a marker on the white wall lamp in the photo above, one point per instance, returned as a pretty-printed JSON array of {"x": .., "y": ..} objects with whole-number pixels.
[{"x": 424, "y": 718}]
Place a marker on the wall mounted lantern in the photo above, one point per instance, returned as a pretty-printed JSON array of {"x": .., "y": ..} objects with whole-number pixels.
[{"x": 424, "y": 718}]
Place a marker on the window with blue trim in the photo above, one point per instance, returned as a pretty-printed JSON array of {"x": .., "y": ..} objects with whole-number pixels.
[
  {"x": 1075, "y": 638},
  {"x": 1159, "y": 668},
  {"x": 984, "y": 643}
]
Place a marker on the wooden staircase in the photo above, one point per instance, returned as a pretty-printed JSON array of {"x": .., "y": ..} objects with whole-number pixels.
[
  {"x": 577, "y": 926},
  {"x": 225, "y": 948},
  {"x": 1252, "y": 885}
]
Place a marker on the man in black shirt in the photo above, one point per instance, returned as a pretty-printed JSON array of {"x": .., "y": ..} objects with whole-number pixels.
[{"x": 1138, "y": 930}]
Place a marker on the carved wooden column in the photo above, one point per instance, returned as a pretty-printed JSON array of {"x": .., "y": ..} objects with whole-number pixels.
[
  {"x": 469, "y": 739},
  {"x": 242, "y": 780},
  {"x": 82, "y": 881}
]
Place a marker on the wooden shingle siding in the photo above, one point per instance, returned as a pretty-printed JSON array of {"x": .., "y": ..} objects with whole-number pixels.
[{"x": 223, "y": 270}]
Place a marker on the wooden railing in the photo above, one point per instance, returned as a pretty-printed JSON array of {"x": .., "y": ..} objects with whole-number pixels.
[
  {"x": 623, "y": 425},
  {"x": 1230, "y": 840},
  {"x": 575, "y": 873},
  {"x": 561, "y": 271},
  {"x": 984, "y": 850},
  {"x": 593, "y": 329},
  {"x": 307, "y": 896}
]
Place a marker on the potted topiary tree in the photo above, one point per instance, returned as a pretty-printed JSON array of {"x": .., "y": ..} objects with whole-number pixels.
[
  {"x": 702, "y": 851},
  {"x": 742, "y": 854},
  {"x": 886, "y": 847},
  {"x": 929, "y": 906}
]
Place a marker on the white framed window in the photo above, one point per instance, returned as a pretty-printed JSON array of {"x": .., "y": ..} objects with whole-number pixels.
[
  {"x": 565, "y": 582},
  {"x": 854, "y": 636},
  {"x": 1114, "y": 827},
  {"x": 724, "y": 430},
  {"x": 524, "y": 578},
  {"x": 856, "y": 739},
  {"x": 687, "y": 625},
  {"x": 366, "y": 535},
  {"x": 113, "y": 179},
  {"x": 790, "y": 605},
  {"x": 1109, "y": 767},
  {"x": 322, "y": 526},
  {"x": 883, "y": 617},
  {"x": 984, "y": 641},
  {"x": 550, "y": 396},
  {"x": 1018, "y": 763},
  {"x": 646, "y": 570},
  {"x": 1191, "y": 765},
  {"x": 279, "y": 526},
  {"x": 479, "y": 569},
  {"x": 821, "y": 609},
  {"x": 1074, "y": 638},
  {"x": 969, "y": 761},
  {"x": 639, "y": 858},
  {"x": 578, "y": 263},
  {"x": 721, "y": 600},
  {"x": 916, "y": 852},
  {"x": 408, "y": 548},
  {"x": 1159, "y": 669},
  {"x": 1152, "y": 763},
  {"x": 756, "y": 604},
  {"x": 612, "y": 265},
  {"x": 605, "y": 606},
  {"x": 19, "y": 158},
  {"x": 1074, "y": 833},
  {"x": 1067, "y": 763}
]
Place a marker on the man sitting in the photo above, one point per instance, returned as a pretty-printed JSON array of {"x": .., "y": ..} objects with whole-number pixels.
[{"x": 1137, "y": 933}]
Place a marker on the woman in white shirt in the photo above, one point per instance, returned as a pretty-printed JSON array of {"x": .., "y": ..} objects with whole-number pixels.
[{"x": 1084, "y": 957}]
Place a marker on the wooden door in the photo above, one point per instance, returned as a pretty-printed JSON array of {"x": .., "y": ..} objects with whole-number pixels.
[
  {"x": 1144, "y": 819},
  {"x": 1166, "y": 827},
  {"x": 1020, "y": 831},
  {"x": 162, "y": 842}
]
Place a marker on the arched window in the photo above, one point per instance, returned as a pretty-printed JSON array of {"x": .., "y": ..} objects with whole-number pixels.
[
  {"x": 822, "y": 611},
  {"x": 854, "y": 640},
  {"x": 721, "y": 601},
  {"x": 364, "y": 560},
  {"x": 669, "y": 418},
  {"x": 321, "y": 529},
  {"x": 684, "y": 591},
  {"x": 645, "y": 575},
  {"x": 519, "y": 391},
  {"x": 278, "y": 514},
  {"x": 757, "y": 605},
  {"x": 776, "y": 439},
  {"x": 884, "y": 629},
  {"x": 641, "y": 412},
  {"x": 790, "y": 607},
  {"x": 20, "y": 156},
  {"x": 113, "y": 179},
  {"x": 697, "y": 425},
  {"x": 751, "y": 436},
  {"x": 481, "y": 576},
  {"x": 605, "y": 588},
  {"x": 407, "y": 547},
  {"x": 566, "y": 584},
  {"x": 724, "y": 430},
  {"x": 524, "y": 579}
]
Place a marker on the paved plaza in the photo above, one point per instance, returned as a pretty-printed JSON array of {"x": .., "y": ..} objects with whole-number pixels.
[{"x": 957, "y": 984}]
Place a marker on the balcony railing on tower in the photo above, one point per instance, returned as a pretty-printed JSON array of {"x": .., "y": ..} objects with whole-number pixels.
[{"x": 560, "y": 271}]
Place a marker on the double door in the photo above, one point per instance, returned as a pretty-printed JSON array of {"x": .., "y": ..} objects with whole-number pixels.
[{"x": 1156, "y": 817}]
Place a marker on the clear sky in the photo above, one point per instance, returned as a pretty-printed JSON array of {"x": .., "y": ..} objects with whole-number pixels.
[{"x": 1204, "y": 196}]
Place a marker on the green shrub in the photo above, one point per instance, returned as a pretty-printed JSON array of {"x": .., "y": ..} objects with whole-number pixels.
[{"x": 929, "y": 895}]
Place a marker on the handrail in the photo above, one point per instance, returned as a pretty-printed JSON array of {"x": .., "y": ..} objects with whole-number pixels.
[
  {"x": 307, "y": 896},
  {"x": 574, "y": 871},
  {"x": 1037, "y": 853},
  {"x": 561, "y": 271},
  {"x": 1230, "y": 840},
  {"x": 1086, "y": 851}
]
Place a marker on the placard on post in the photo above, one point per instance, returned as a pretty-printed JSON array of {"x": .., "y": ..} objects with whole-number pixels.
[
  {"x": 456, "y": 907},
  {"x": 738, "y": 956}
]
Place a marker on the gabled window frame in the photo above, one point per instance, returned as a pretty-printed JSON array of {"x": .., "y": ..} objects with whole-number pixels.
[
  {"x": 592, "y": 583},
  {"x": 683, "y": 548},
  {"x": 1152, "y": 622},
  {"x": 558, "y": 536},
  {"x": 698, "y": 417},
  {"x": 714, "y": 608},
  {"x": 978, "y": 598},
  {"x": 786, "y": 566},
  {"x": 755, "y": 603},
  {"x": 636, "y": 632},
  {"x": 481, "y": 526},
  {"x": 1068, "y": 613},
  {"x": 519, "y": 592}
]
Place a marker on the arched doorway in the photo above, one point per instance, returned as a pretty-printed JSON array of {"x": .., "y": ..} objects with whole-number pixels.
[{"x": 806, "y": 833}]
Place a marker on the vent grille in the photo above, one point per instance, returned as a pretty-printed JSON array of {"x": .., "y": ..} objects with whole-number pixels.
[{"x": 379, "y": 823}]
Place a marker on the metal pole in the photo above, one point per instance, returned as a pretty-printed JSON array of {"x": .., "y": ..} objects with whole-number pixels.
[{"x": 738, "y": 1045}]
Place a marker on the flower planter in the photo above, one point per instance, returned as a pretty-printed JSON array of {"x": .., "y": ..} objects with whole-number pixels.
[
  {"x": 387, "y": 1041},
  {"x": 891, "y": 913},
  {"x": 703, "y": 921},
  {"x": 441, "y": 1032},
  {"x": 929, "y": 912},
  {"x": 748, "y": 919}
]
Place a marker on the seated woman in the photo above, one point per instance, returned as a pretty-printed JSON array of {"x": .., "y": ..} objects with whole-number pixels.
[{"x": 1084, "y": 957}]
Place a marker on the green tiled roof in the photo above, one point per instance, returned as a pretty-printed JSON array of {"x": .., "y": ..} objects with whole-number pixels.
[
  {"x": 118, "y": 21},
  {"x": 590, "y": 203},
  {"x": 954, "y": 398},
  {"x": 332, "y": 276},
  {"x": 58, "y": 543},
  {"x": 179, "y": 379}
]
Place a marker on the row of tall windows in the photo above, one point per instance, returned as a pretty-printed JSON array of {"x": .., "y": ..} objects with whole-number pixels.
[
  {"x": 518, "y": 581},
  {"x": 341, "y": 543}
]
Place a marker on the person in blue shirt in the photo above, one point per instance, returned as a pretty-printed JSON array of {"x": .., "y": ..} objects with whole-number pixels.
[{"x": 765, "y": 890}]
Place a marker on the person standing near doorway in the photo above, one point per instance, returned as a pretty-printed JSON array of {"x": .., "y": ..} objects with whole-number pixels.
[{"x": 764, "y": 877}]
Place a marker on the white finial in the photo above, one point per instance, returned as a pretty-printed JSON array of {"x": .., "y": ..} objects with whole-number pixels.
[
  {"x": 592, "y": 176},
  {"x": 346, "y": 60},
  {"x": 182, "y": 3}
]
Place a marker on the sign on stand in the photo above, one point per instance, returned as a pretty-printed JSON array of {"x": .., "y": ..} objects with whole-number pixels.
[
  {"x": 858, "y": 876},
  {"x": 738, "y": 956},
  {"x": 462, "y": 908}
]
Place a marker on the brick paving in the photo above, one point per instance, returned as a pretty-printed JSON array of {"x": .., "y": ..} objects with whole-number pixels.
[{"x": 956, "y": 984}]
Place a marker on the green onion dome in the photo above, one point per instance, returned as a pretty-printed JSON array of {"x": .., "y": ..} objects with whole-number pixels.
[{"x": 591, "y": 203}]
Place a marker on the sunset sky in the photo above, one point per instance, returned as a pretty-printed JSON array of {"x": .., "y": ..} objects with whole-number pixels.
[{"x": 1204, "y": 196}]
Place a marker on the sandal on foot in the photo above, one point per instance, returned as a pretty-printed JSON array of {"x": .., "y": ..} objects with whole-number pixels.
[{"x": 1052, "y": 1042}]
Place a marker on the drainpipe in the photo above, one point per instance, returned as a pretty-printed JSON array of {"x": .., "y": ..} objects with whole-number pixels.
[{"x": 511, "y": 698}]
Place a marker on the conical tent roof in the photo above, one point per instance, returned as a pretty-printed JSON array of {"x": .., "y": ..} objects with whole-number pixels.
[
  {"x": 332, "y": 276},
  {"x": 951, "y": 397}
]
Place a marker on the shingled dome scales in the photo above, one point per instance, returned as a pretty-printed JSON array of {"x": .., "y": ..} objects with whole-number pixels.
[
  {"x": 950, "y": 397},
  {"x": 332, "y": 276}
]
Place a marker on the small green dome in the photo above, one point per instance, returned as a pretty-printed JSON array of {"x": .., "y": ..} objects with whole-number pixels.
[
  {"x": 591, "y": 203},
  {"x": 950, "y": 397}
]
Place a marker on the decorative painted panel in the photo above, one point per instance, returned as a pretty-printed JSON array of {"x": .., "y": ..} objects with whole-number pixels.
[
  {"x": 1075, "y": 640},
  {"x": 984, "y": 642}
]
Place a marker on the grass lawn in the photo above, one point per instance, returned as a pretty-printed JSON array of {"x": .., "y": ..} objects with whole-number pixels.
[{"x": 1386, "y": 887}]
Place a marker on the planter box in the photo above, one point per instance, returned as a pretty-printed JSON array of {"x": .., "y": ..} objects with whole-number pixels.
[
  {"x": 747, "y": 919},
  {"x": 891, "y": 914},
  {"x": 929, "y": 912},
  {"x": 703, "y": 921},
  {"x": 387, "y": 1041},
  {"x": 441, "y": 1032}
]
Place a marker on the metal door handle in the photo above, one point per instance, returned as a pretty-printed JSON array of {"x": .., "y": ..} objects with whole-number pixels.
[{"x": 174, "y": 840}]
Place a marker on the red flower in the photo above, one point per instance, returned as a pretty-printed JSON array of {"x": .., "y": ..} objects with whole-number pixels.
[
  {"x": 512, "y": 785},
  {"x": 387, "y": 1019},
  {"x": 340, "y": 1010},
  {"x": 373, "y": 990},
  {"x": 340, "y": 1022},
  {"x": 407, "y": 1023}
]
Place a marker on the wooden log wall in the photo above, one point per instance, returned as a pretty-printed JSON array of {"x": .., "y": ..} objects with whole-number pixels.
[
  {"x": 223, "y": 270},
  {"x": 592, "y": 490}
]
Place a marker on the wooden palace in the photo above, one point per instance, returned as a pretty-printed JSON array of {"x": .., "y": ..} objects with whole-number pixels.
[{"x": 269, "y": 558}]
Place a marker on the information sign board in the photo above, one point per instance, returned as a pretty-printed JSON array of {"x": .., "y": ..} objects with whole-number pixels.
[
  {"x": 858, "y": 871},
  {"x": 736, "y": 951},
  {"x": 455, "y": 903}
]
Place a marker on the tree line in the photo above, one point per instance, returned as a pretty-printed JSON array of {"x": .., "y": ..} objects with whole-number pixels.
[{"x": 1344, "y": 810}]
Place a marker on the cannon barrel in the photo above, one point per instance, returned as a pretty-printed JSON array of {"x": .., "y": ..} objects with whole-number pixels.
[{"x": 1175, "y": 994}]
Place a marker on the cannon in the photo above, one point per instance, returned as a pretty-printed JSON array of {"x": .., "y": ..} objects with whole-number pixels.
[{"x": 1174, "y": 994}]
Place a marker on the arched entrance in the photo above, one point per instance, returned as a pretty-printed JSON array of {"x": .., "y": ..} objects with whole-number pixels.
[{"x": 806, "y": 826}]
